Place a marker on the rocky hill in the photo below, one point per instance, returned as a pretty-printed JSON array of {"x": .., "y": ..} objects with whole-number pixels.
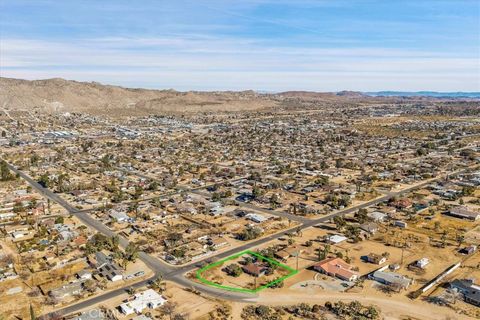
[{"x": 59, "y": 95}]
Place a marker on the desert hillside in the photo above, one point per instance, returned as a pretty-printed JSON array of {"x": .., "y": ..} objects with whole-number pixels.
[{"x": 59, "y": 95}]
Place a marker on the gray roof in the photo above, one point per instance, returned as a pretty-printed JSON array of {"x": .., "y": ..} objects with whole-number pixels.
[
  {"x": 470, "y": 290},
  {"x": 110, "y": 270},
  {"x": 392, "y": 278},
  {"x": 67, "y": 290},
  {"x": 101, "y": 258}
]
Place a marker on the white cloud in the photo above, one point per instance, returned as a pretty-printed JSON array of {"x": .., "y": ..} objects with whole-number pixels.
[{"x": 204, "y": 62}]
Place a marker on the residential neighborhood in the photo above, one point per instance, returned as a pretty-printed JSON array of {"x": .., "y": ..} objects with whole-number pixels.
[{"x": 140, "y": 219}]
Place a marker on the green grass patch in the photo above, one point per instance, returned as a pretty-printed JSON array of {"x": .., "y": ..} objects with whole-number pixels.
[{"x": 235, "y": 256}]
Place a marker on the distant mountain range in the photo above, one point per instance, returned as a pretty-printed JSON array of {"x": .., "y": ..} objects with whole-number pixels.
[
  {"x": 424, "y": 94},
  {"x": 60, "y": 95}
]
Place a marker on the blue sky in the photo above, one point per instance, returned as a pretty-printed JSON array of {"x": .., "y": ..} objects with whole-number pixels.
[{"x": 273, "y": 45}]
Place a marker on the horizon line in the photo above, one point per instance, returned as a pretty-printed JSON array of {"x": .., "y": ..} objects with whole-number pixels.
[{"x": 261, "y": 91}]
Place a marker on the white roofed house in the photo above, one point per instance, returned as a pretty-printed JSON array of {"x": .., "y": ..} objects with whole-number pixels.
[
  {"x": 335, "y": 239},
  {"x": 120, "y": 216},
  {"x": 142, "y": 300},
  {"x": 67, "y": 290},
  {"x": 422, "y": 263},
  {"x": 377, "y": 216},
  {"x": 216, "y": 208},
  {"x": 7, "y": 215},
  {"x": 258, "y": 218}
]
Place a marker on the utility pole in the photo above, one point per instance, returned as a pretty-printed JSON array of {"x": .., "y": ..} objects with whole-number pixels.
[{"x": 403, "y": 248}]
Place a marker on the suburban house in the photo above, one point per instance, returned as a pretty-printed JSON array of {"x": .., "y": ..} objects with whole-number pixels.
[
  {"x": 111, "y": 271},
  {"x": 120, "y": 216},
  {"x": 422, "y": 263},
  {"x": 146, "y": 299},
  {"x": 375, "y": 258},
  {"x": 463, "y": 212},
  {"x": 255, "y": 217},
  {"x": 335, "y": 239},
  {"x": 391, "y": 278},
  {"x": 282, "y": 254},
  {"x": 400, "y": 224},
  {"x": 404, "y": 203},
  {"x": 336, "y": 267},
  {"x": 98, "y": 260},
  {"x": 254, "y": 269},
  {"x": 468, "y": 250},
  {"x": 288, "y": 252},
  {"x": 470, "y": 290},
  {"x": 369, "y": 227},
  {"x": 67, "y": 290},
  {"x": 84, "y": 275},
  {"x": 217, "y": 242}
]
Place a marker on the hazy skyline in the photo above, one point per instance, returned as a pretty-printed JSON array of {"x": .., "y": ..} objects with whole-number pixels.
[{"x": 236, "y": 45}]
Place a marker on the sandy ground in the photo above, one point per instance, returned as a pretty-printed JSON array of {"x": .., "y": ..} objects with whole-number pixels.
[{"x": 391, "y": 309}]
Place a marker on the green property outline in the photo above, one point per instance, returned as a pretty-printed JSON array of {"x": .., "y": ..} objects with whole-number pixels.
[{"x": 234, "y": 256}]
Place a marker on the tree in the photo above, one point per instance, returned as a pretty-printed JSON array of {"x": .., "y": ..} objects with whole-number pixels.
[
  {"x": 44, "y": 180},
  {"x": 130, "y": 254},
  {"x": 353, "y": 232},
  {"x": 169, "y": 308},
  {"x": 339, "y": 222},
  {"x": 444, "y": 239},
  {"x": 460, "y": 239},
  {"x": 34, "y": 159},
  {"x": 5, "y": 174},
  {"x": 159, "y": 284},
  {"x": 114, "y": 242},
  {"x": 32, "y": 313},
  {"x": 274, "y": 201},
  {"x": 256, "y": 192},
  {"x": 372, "y": 313},
  {"x": 321, "y": 181},
  {"x": 233, "y": 270},
  {"x": 174, "y": 237},
  {"x": 250, "y": 233},
  {"x": 323, "y": 253},
  {"x": 361, "y": 215},
  {"x": 63, "y": 182},
  {"x": 90, "y": 285},
  {"x": 106, "y": 161}
]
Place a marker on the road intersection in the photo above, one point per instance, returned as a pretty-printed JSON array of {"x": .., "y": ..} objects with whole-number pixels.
[{"x": 177, "y": 274}]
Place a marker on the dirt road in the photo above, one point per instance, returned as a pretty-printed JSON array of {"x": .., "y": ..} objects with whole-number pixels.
[{"x": 391, "y": 309}]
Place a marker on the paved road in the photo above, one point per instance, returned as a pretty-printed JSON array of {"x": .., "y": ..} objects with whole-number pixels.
[
  {"x": 177, "y": 273},
  {"x": 158, "y": 266}
]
